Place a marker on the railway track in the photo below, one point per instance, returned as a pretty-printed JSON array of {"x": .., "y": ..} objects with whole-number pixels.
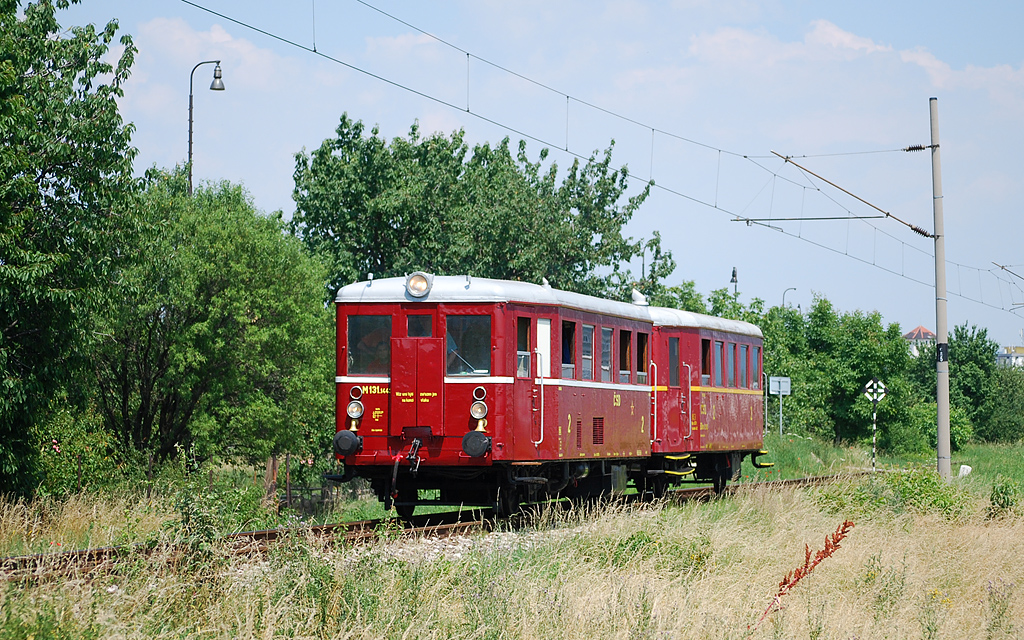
[
  {"x": 103, "y": 559},
  {"x": 438, "y": 525}
]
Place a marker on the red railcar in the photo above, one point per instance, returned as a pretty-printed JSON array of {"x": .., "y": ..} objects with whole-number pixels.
[{"x": 471, "y": 391}]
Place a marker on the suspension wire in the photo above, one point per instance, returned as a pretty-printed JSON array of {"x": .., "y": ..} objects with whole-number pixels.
[{"x": 714, "y": 206}]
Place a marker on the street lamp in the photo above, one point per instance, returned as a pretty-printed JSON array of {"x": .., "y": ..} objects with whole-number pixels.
[
  {"x": 216, "y": 85},
  {"x": 784, "y": 295},
  {"x": 734, "y": 282}
]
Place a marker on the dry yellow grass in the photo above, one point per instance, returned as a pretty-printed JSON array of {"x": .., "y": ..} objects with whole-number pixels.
[
  {"x": 655, "y": 571},
  {"x": 79, "y": 521}
]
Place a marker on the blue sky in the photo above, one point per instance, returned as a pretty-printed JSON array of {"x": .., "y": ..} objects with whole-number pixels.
[{"x": 738, "y": 78}]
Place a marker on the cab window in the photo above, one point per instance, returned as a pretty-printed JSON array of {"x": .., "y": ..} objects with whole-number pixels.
[
  {"x": 369, "y": 345},
  {"x": 420, "y": 326},
  {"x": 468, "y": 341}
]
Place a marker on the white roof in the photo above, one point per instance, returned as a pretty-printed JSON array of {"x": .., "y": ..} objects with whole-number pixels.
[{"x": 471, "y": 289}]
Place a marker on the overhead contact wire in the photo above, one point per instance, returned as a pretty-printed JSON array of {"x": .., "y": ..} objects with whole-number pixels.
[{"x": 547, "y": 143}]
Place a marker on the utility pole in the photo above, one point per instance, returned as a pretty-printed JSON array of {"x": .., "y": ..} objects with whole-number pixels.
[{"x": 941, "y": 331}]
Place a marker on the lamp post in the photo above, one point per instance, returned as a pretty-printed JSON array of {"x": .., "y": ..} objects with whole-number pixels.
[
  {"x": 734, "y": 282},
  {"x": 216, "y": 85},
  {"x": 784, "y": 295}
]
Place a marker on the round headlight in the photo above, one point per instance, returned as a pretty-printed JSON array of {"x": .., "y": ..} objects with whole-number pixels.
[
  {"x": 478, "y": 410},
  {"x": 355, "y": 409},
  {"x": 355, "y": 392},
  {"x": 418, "y": 284}
]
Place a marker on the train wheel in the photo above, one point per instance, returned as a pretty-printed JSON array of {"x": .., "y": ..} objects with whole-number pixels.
[
  {"x": 407, "y": 496},
  {"x": 405, "y": 511},
  {"x": 720, "y": 479},
  {"x": 723, "y": 471},
  {"x": 507, "y": 501},
  {"x": 736, "y": 460}
]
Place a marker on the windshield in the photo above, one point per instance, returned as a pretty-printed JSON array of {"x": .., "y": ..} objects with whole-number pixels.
[
  {"x": 468, "y": 346},
  {"x": 369, "y": 344}
]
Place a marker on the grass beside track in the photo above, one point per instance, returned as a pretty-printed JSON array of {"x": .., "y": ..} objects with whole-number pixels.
[
  {"x": 909, "y": 568},
  {"x": 924, "y": 559}
]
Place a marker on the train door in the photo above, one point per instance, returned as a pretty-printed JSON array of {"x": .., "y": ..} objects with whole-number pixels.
[
  {"x": 674, "y": 429},
  {"x": 689, "y": 403},
  {"x": 417, "y": 376},
  {"x": 532, "y": 374},
  {"x": 522, "y": 392},
  {"x": 671, "y": 432}
]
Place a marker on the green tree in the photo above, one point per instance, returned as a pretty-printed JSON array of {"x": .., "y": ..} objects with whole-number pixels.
[
  {"x": 1003, "y": 410},
  {"x": 681, "y": 296},
  {"x": 65, "y": 162},
  {"x": 829, "y": 356},
  {"x": 972, "y": 367},
  {"x": 222, "y": 340},
  {"x": 370, "y": 206}
]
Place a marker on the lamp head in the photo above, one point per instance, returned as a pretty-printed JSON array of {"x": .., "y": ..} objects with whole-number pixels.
[{"x": 218, "y": 84}]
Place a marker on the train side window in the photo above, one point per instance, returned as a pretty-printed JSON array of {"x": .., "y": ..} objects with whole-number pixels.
[
  {"x": 744, "y": 366},
  {"x": 568, "y": 350},
  {"x": 730, "y": 364},
  {"x": 719, "y": 352},
  {"x": 523, "y": 347},
  {"x": 625, "y": 342},
  {"x": 755, "y": 368},
  {"x": 641, "y": 358},
  {"x": 369, "y": 345},
  {"x": 420, "y": 327},
  {"x": 587, "y": 344},
  {"x": 673, "y": 363},
  {"x": 606, "y": 354},
  {"x": 469, "y": 345},
  {"x": 705, "y": 362}
]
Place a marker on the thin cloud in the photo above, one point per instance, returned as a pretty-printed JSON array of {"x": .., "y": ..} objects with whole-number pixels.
[{"x": 825, "y": 34}]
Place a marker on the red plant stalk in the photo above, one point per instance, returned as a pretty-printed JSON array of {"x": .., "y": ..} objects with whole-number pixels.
[{"x": 831, "y": 545}]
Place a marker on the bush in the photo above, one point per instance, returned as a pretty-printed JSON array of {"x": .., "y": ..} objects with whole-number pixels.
[
  {"x": 1004, "y": 497},
  {"x": 909, "y": 436},
  {"x": 68, "y": 438},
  {"x": 919, "y": 491},
  {"x": 916, "y": 432}
]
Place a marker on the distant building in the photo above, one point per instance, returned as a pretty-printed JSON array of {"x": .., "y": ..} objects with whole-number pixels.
[
  {"x": 1010, "y": 357},
  {"x": 918, "y": 337}
]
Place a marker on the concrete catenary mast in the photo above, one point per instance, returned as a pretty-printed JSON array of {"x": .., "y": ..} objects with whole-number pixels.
[{"x": 941, "y": 331}]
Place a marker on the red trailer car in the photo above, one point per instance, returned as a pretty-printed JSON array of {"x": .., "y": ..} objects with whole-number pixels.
[{"x": 470, "y": 391}]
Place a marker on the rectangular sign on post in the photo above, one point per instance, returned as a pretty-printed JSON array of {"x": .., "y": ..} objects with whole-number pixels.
[{"x": 778, "y": 386}]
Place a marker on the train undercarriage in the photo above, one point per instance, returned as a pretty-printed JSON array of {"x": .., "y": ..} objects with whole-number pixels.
[{"x": 507, "y": 487}]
